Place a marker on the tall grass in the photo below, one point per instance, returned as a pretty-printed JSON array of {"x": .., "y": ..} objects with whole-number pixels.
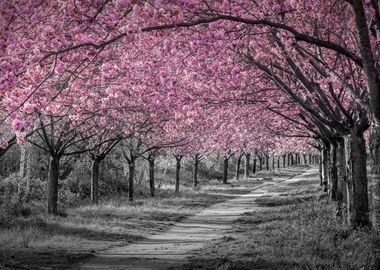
[{"x": 292, "y": 231}]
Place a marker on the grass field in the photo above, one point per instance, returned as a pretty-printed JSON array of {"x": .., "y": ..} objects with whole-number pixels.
[
  {"x": 292, "y": 231},
  {"x": 30, "y": 239}
]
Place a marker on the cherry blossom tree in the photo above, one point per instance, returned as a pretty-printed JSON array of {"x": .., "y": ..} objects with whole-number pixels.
[{"x": 317, "y": 58}]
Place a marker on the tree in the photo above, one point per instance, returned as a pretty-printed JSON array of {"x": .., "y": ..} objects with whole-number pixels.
[
  {"x": 247, "y": 164},
  {"x": 178, "y": 159},
  {"x": 239, "y": 158},
  {"x": 103, "y": 147},
  {"x": 57, "y": 139}
]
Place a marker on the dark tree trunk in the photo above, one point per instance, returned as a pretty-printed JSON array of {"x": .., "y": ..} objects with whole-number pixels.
[
  {"x": 278, "y": 162},
  {"x": 267, "y": 162},
  {"x": 373, "y": 83},
  {"x": 177, "y": 172},
  {"x": 131, "y": 176},
  {"x": 53, "y": 186},
  {"x": 68, "y": 170},
  {"x": 310, "y": 159},
  {"x": 333, "y": 173},
  {"x": 289, "y": 159},
  {"x": 304, "y": 159},
  {"x": 225, "y": 170},
  {"x": 196, "y": 165},
  {"x": 95, "y": 180},
  {"x": 273, "y": 167},
  {"x": 342, "y": 181},
  {"x": 284, "y": 160},
  {"x": 238, "y": 166},
  {"x": 254, "y": 166},
  {"x": 357, "y": 180},
  {"x": 247, "y": 164},
  {"x": 151, "y": 176},
  {"x": 260, "y": 163}
]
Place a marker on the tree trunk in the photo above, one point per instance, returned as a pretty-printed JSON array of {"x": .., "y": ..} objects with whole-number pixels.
[
  {"x": 131, "y": 165},
  {"x": 289, "y": 159},
  {"x": 32, "y": 164},
  {"x": 278, "y": 162},
  {"x": 254, "y": 166},
  {"x": 53, "y": 185},
  {"x": 95, "y": 180},
  {"x": 67, "y": 171},
  {"x": 260, "y": 163},
  {"x": 177, "y": 172},
  {"x": 151, "y": 176},
  {"x": 373, "y": 83},
  {"x": 342, "y": 181},
  {"x": 283, "y": 161},
  {"x": 375, "y": 179},
  {"x": 321, "y": 173},
  {"x": 196, "y": 164},
  {"x": 357, "y": 204},
  {"x": 325, "y": 166},
  {"x": 238, "y": 166},
  {"x": 247, "y": 163},
  {"x": 23, "y": 160},
  {"x": 225, "y": 170},
  {"x": 267, "y": 162},
  {"x": 333, "y": 172},
  {"x": 22, "y": 171},
  {"x": 273, "y": 167},
  {"x": 292, "y": 159}
]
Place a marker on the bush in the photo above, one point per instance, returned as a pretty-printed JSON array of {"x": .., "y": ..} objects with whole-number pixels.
[
  {"x": 15, "y": 209},
  {"x": 74, "y": 187},
  {"x": 22, "y": 189},
  {"x": 15, "y": 191}
]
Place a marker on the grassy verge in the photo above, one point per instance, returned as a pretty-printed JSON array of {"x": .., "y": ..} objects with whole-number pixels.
[
  {"x": 292, "y": 231},
  {"x": 30, "y": 239}
]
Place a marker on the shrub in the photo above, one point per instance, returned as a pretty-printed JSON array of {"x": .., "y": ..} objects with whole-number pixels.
[
  {"x": 22, "y": 189},
  {"x": 15, "y": 209}
]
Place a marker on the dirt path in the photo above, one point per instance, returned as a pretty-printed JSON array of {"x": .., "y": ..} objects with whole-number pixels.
[{"x": 171, "y": 249}]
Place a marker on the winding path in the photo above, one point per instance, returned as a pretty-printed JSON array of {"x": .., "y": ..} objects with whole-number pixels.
[{"x": 172, "y": 248}]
